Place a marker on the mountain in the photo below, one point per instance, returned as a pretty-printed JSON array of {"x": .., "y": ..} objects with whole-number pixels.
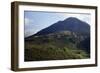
[
  {"x": 68, "y": 39},
  {"x": 85, "y": 44},
  {"x": 70, "y": 24}
]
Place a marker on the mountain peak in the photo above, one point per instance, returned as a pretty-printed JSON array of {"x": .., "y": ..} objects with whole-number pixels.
[
  {"x": 70, "y": 24},
  {"x": 70, "y": 18}
]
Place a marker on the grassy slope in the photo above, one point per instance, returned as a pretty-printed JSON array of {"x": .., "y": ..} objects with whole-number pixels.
[{"x": 43, "y": 48}]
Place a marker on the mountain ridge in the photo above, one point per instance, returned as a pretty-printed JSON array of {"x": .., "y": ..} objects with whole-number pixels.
[
  {"x": 70, "y": 24},
  {"x": 68, "y": 39}
]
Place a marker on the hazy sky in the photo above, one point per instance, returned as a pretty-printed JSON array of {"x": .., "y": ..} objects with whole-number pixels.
[{"x": 35, "y": 21}]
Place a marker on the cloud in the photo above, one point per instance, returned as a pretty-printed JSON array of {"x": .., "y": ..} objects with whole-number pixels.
[
  {"x": 31, "y": 27},
  {"x": 28, "y": 21},
  {"x": 28, "y": 26}
]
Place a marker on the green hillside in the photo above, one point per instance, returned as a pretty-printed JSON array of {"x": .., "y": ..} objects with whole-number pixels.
[{"x": 55, "y": 46}]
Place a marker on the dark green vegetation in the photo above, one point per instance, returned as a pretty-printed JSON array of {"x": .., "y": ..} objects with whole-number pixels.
[
  {"x": 68, "y": 39},
  {"x": 55, "y": 46}
]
